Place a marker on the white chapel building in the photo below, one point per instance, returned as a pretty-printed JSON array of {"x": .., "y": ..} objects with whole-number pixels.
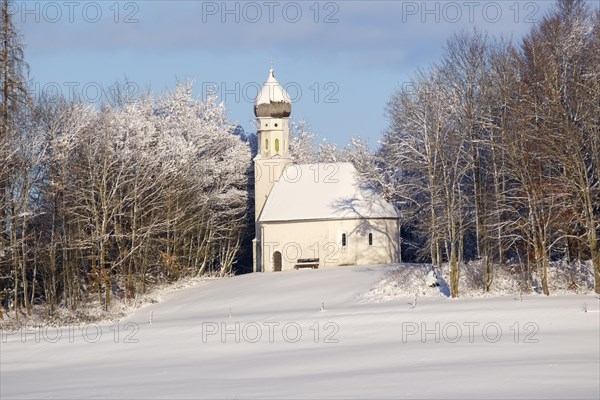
[{"x": 312, "y": 215}]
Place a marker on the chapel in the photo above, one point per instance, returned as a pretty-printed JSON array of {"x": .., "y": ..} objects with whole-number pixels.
[{"x": 312, "y": 215}]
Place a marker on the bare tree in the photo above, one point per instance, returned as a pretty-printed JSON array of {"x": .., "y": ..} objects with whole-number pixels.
[
  {"x": 494, "y": 152},
  {"x": 14, "y": 101},
  {"x": 558, "y": 80}
]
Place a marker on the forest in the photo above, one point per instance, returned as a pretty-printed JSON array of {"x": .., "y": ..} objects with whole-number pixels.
[
  {"x": 492, "y": 155},
  {"x": 493, "y": 152}
]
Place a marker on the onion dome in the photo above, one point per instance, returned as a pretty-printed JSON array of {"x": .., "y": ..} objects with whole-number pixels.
[{"x": 272, "y": 100}]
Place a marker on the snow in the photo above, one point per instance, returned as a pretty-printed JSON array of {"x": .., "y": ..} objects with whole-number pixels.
[
  {"x": 272, "y": 92},
  {"x": 323, "y": 191},
  {"x": 549, "y": 347},
  {"x": 420, "y": 280}
]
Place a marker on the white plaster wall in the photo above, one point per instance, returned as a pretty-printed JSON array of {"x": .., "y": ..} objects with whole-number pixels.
[
  {"x": 266, "y": 173},
  {"x": 322, "y": 239},
  {"x": 269, "y": 165}
]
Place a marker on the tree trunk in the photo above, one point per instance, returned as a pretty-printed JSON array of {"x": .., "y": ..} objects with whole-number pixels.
[
  {"x": 542, "y": 262},
  {"x": 454, "y": 272},
  {"x": 489, "y": 273},
  {"x": 595, "y": 251}
]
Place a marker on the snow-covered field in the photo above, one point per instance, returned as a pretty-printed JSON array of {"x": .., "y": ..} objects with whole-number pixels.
[{"x": 316, "y": 334}]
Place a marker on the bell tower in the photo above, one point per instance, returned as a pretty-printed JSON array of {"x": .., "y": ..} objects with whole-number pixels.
[{"x": 272, "y": 109}]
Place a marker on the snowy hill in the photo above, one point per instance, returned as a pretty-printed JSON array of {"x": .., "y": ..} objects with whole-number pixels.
[{"x": 266, "y": 336}]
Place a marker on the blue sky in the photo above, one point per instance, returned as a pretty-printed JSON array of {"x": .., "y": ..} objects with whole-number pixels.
[{"x": 340, "y": 60}]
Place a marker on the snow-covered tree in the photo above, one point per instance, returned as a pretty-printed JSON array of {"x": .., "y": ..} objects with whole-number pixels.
[
  {"x": 303, "y": 143},
  {"x": 136, "y": 193}
]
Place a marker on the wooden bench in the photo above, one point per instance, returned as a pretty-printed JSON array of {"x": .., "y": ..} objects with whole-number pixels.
[{"x": 307, "y": 263}]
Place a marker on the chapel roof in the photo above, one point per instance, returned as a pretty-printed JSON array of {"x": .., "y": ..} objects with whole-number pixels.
[{"x": 323, "y": 191}]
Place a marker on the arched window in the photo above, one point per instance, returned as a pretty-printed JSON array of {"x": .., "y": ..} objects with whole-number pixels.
[
  {"x": 344, "y": 242},
  {"x": 267, "y": 145},
  {"x": 370, "y": 239},
  {"x": 277, "y": 261},
  {"x": 276, "y": 145}
]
